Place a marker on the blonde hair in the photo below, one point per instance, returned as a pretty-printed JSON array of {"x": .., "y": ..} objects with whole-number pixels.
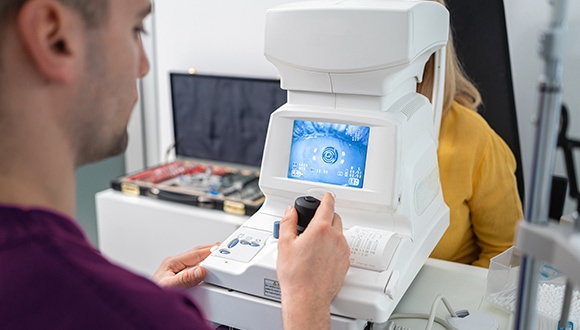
[{"x": 458, "y": 87}]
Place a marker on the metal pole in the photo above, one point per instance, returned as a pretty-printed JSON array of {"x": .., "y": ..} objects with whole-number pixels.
[{"x": 550, "y": 101}]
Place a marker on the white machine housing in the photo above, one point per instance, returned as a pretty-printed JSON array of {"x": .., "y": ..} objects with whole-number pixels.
[{"x": 352, "y": 63}]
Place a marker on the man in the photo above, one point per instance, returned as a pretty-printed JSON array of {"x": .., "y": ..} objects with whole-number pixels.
[{"x": 68, "y": 71}]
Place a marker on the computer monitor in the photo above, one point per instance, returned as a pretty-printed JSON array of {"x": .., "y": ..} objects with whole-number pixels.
[
  {"x": 223, "y": 118},
  {"x": 312, "y": 150},
  {"x": 328, "y": 153}
]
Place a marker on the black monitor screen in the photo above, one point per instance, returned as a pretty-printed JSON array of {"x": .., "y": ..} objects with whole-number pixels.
[
  {"x": 328, "y": 153},
  {"x": 223, "y": 118}
]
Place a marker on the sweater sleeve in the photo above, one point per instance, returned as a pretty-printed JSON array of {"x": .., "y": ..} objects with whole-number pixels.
[{"x": 495, "y": 204}]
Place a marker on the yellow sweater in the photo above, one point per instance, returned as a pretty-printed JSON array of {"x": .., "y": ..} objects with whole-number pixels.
[{"x": 479, "y": 186}]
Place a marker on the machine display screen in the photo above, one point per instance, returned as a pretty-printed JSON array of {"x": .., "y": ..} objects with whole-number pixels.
[{"x": 328, "y": 153}]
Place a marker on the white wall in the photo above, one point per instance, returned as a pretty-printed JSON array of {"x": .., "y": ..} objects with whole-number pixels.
[
  {"x": 213, "y": 36},
  {"x": 226, "y": 37}
]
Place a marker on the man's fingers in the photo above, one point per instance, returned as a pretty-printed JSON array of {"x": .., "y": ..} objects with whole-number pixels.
[
  {"x": 337, "y": 222},
  {"x": 196, "y": 255},
  {"x": 188, "y": 278},
  {"x": 288, "y": 225},
  {"x": 325, "y": 211},
  {"x": 187, "y": 259},
  {"x": 191, "y": 277}
]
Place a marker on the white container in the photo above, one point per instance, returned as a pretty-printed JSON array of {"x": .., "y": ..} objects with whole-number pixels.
[{"x": 502, "y": 290}]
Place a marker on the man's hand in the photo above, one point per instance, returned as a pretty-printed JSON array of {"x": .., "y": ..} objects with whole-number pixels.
[
  {"x": 311, "y": 267},
  {"x": 183, "y": 271}
]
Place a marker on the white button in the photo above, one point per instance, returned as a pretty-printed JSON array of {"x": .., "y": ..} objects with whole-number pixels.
[{"x": 319, "y": 193}]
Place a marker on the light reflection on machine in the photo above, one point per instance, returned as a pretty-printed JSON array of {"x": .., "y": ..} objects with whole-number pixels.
[{"x": 353, "y": 126}]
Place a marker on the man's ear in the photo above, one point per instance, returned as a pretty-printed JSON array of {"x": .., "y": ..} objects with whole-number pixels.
[{"x": 51, "y": 34}]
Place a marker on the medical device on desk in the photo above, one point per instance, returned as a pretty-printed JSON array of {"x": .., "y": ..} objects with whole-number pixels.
[{"x": 354, "y": 126}]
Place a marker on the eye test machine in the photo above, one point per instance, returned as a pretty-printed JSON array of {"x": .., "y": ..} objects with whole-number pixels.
[{"x": 353, "y": 126}]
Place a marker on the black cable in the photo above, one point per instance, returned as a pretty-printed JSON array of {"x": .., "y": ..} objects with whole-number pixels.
[{"x": 567, "y": 145}]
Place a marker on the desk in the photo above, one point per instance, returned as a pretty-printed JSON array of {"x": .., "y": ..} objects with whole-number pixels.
[
  {"x": 138, "y": 232},
  {"x": 462, "y": 285}
]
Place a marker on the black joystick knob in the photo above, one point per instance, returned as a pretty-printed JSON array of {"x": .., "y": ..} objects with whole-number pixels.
[{"x": 305, "y": 207}]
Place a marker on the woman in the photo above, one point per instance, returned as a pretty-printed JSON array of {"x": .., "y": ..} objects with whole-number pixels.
[{"x": 477, "y": 173}]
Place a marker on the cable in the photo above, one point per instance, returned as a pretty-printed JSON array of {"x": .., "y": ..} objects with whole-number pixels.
[
  {"x": 434, "y": 310},
  {"x": 431, "y": 318},
  {"x": 168, "y": 151},
  {"x": 420, "y": 316}
]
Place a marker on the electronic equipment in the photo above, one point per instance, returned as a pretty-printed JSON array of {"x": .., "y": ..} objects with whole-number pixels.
[
  {"x": 219, "y": 125},
  {"x": 354, "y": 126}
]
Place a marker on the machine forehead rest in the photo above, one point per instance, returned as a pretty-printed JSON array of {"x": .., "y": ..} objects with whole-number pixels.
[{"x": 336, "y": 36}]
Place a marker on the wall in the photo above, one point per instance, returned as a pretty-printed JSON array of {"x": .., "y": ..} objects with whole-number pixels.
[
  {"x": 226, "y": 37},
  {"x": 91, "y": 179},
  {"x": 214, "y": 37}
]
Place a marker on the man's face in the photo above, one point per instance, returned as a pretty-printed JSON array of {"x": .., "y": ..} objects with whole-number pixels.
[{"x": 108, "y": 92}]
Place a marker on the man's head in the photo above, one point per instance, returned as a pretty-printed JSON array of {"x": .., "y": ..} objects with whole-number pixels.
[
  {"x": 77, "y": 62},
  {"x": 94, "y": 12}
]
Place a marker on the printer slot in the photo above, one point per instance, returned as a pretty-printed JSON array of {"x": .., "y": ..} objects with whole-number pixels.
[{"x": 371, "y": 248}]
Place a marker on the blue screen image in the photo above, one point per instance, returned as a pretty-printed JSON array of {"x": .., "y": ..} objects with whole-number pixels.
[{"x": 328, "y": 153}]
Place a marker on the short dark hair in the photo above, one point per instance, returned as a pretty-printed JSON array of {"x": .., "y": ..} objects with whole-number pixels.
[{"x": 94, "y": 12}]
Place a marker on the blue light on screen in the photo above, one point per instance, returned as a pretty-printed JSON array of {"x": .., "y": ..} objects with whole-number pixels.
[{"x": 328, "y": 153}]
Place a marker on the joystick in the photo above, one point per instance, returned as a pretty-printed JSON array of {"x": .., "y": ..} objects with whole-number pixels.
[{"x": 305, "y": 207}]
